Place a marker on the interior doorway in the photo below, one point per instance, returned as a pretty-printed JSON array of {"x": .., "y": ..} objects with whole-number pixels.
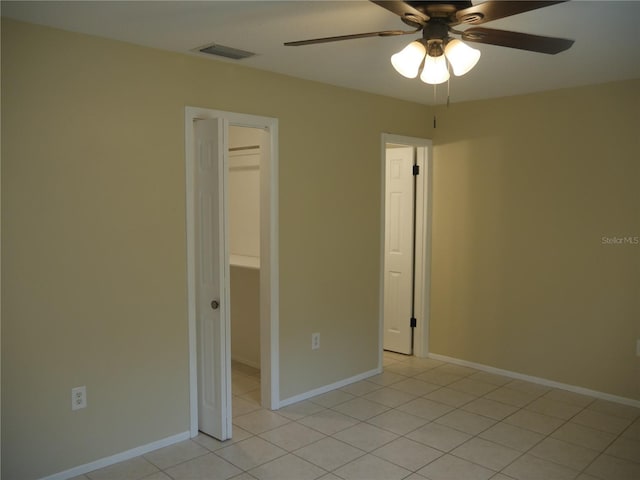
[
  {"x": 210, "y": 372},
  {"x": 246, "y": 149},
  {"x": 405, "y": 279}
]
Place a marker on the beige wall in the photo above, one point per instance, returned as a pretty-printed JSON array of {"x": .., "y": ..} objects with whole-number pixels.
[
  {"x": 93, "y": 225},
  {"x": 524, "y": 190},
  {"x": 245, "y": 315},
  {"x": 243, "y": 195}
]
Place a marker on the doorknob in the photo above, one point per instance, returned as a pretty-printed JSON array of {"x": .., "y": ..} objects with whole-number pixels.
[{"x": 215, "y": 304}]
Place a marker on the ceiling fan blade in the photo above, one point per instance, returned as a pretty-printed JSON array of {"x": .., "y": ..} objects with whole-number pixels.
[
  {"x": 384, "y": 33},
  {"x": 521, "y": 41},
  {"x": 493, "y": 10},
  {"x": 404, "y": 11}
]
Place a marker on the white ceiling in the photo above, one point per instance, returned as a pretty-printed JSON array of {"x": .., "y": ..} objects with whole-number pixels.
[{"x": 607, "y": 45}]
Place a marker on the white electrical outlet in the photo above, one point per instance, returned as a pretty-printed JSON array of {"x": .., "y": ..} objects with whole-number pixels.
[
  {"x": 638, "y": 347},
  {"x": 315, "y": 341},
  {"x": 78, "y": 398}
]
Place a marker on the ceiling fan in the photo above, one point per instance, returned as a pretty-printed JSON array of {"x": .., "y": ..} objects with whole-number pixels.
[{"x": 437, "y": 19}]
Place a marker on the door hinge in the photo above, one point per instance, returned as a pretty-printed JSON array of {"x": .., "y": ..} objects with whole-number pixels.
[
  {"x": 413, "y": 322},
  {"x": 416, "y": 169}
]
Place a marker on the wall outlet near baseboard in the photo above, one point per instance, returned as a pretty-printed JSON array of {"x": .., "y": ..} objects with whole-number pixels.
[
  {"x": 78, "y": 398},
  {"x": 315, "y": 341}
]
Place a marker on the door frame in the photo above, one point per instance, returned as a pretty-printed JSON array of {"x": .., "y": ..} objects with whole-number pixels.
[
  {"x": 269, "y": 287},
  {"x": 423, "y": 251}
]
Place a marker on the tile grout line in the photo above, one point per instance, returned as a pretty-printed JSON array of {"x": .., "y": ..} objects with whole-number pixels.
[
  {"x": 460, "y": 407},
  {"x": 520, "y": 408}
]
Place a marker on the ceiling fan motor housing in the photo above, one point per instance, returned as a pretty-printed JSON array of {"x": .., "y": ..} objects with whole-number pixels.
[
  {"x": 435, "y": 30},
  {"x": 437, "y": 17}
]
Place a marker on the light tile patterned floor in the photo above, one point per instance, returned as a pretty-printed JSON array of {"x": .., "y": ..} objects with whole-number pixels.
[{"x": 420, "y": 419}]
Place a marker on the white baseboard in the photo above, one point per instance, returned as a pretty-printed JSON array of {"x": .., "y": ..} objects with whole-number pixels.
[
  {"x": 541, "y": 381},
  {"x": 143, "y": 449},
  {"x": 244, "y": 361},
  {"x": 328, "y": 388},
  {"x": 118, "y": 457}
]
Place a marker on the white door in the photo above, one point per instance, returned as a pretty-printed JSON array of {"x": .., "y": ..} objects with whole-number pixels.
[
  {"x": 398, "y": 249},
  {"x": 212, "y": 274}
]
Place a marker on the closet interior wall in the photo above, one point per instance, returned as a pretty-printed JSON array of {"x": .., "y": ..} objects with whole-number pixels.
[{"x": 244, "y": 243}]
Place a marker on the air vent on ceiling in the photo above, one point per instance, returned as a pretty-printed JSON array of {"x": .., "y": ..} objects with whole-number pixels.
[{"x": 227, "y": 52}]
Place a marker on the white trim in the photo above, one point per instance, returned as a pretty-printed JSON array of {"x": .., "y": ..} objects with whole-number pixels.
[
  {"x": 191, "y": 283},
  {"x": 421, "y": 339},
  {"x": 269, "y": 288},
  {"x": 118, "y": 457},
  {"x": 539, "y": 380},
  {"x": 425, "y": 153},
  {"x": 328, "y": 388}
]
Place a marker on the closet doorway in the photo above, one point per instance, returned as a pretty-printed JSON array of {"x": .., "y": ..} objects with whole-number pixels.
[
  {"x": 405, "y": 285},
  {"x": 207, "y": 152},
  {"x": 246, "y": 149}
]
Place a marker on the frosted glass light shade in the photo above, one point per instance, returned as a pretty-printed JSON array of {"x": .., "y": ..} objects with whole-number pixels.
[
  {"x": 407, "y": 61},
  {"x": 461, "y": 56},
  {"x": 435, "y": 70}
]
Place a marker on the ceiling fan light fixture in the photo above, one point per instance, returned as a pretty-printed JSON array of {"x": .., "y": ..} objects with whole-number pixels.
[
  {"x": 408, "y": 60},
  {"x": 461, "y": 56},
  {"x": 433, "y": 54},
  {"x": 435, "y": 70}
]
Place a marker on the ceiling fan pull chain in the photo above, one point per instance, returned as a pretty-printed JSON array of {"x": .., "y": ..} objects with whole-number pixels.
[{"x": 448, "y": 83}]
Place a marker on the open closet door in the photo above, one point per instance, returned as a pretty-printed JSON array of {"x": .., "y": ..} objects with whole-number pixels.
[
  {"x": 398, "y": 249},
  {"x": 212, "y": 274}
]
